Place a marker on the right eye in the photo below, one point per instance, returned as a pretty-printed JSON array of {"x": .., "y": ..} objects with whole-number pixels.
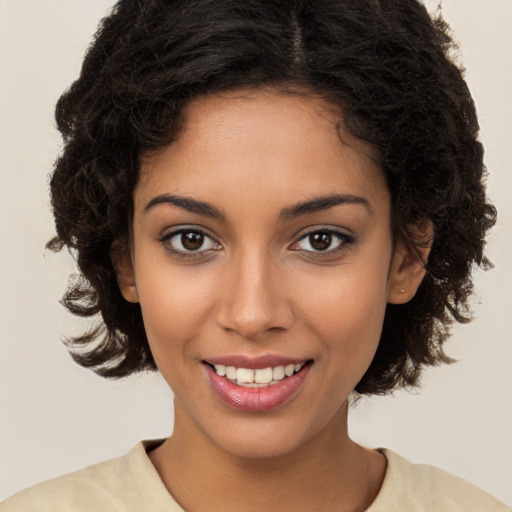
[{"x": 187, "y": 242}]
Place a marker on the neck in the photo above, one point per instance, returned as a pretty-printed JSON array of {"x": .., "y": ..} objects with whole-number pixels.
[{"x": 328, "y": 472}]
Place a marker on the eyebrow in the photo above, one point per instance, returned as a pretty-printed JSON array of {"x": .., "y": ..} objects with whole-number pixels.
[
  {"x": 290, "y": 212},
  {"x": 322, "y": 203},
  {"x": 186, "y": 203}
]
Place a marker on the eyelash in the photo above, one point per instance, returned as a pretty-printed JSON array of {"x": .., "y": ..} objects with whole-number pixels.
[{"x": 344, "y": 242}]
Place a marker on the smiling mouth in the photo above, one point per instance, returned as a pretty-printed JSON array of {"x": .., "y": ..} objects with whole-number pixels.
[{"x": 257, "y": 378}]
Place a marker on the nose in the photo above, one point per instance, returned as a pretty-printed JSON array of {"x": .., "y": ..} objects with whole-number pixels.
[{"x": 254, "y": 299}]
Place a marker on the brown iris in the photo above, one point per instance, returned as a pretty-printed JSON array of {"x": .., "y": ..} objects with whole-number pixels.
[
  {"x": 192, "y": 240},
  {"x": 320, "y": 241}
]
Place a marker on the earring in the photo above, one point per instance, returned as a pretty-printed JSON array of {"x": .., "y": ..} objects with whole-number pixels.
[{"x": 401, "y": 291}]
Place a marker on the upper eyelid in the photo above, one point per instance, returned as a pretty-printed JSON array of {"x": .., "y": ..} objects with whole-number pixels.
[
  {"x": 183, "y": 229},
  {"x": 341, "y": 232},
  {"x": 323, "y": 230},
  {"x": 335, "y": 227}
]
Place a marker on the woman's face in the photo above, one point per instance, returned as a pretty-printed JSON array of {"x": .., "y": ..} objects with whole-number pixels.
[{"x": 261, "y": 249}]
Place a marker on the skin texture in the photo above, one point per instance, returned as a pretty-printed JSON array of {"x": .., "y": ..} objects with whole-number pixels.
[{"x": 258, "y": 287}]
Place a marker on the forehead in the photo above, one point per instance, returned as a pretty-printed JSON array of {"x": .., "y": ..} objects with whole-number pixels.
[{"x": 262, "y": 141}]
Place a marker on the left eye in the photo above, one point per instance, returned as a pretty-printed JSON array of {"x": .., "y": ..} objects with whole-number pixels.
[
  {"x": 322, "y": 241},
  {"x": 189, "y": 240}
]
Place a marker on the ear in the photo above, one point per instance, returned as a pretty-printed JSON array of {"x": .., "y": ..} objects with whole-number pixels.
[
  {"x": 409, "y": 260},
  {"x": 121, "y": 258}
]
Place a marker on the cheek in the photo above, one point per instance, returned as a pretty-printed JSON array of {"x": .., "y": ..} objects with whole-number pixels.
[
  {"x": 175, "y": 306},
  {"x": 347, "y": 312}
]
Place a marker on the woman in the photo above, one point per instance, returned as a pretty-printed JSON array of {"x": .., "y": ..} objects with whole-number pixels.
[{"x": 276, "y": 204}]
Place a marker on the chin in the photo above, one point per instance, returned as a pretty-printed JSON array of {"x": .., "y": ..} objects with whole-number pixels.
[
  {"x": 271, "y": 436},
  {"x": 269, "y": 446}
]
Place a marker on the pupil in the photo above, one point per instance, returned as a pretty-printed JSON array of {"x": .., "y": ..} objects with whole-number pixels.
[
  {"x": 192, "y": 241},
  {"x": 320, "y": 241}
]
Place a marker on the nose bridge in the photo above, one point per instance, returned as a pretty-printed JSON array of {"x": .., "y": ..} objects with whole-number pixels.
[{"x": 254, "y": 300}]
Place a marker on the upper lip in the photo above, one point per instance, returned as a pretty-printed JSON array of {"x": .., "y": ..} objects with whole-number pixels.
[{"x": 255, "y": 362}]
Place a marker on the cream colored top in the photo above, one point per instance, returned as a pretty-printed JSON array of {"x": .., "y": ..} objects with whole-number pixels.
[{"x": 131, "y": 483}]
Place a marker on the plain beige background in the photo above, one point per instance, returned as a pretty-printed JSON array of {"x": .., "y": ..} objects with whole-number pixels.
[{"x": 56, "y": 417}]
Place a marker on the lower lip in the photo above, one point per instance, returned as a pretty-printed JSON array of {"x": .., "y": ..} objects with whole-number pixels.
[{"x": 257, "y": 399}]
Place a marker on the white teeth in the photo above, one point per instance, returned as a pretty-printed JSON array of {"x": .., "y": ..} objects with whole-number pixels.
[
  {"x": 263, "y": 376},
  {"x": 257, "y": 378},
  {"x": 288, "y": 371},
  {"x": 244, "y": 375},
  {"x": 231, "y": 372},
  {"x": 220, "y": 369},
  {"x": 278, "y": 373}
]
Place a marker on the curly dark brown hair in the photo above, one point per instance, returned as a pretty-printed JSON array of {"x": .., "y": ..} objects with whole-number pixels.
[{"x": 386, "y": 63}]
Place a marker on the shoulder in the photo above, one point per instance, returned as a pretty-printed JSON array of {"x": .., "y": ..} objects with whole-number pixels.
[
  {"x": 120, "y": 484},
  {"x": 94, "y": 487},
  {"x": 421, "y": 488}
]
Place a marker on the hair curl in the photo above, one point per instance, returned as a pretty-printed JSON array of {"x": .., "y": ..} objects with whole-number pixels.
[{"x": 386, "y": 63}]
